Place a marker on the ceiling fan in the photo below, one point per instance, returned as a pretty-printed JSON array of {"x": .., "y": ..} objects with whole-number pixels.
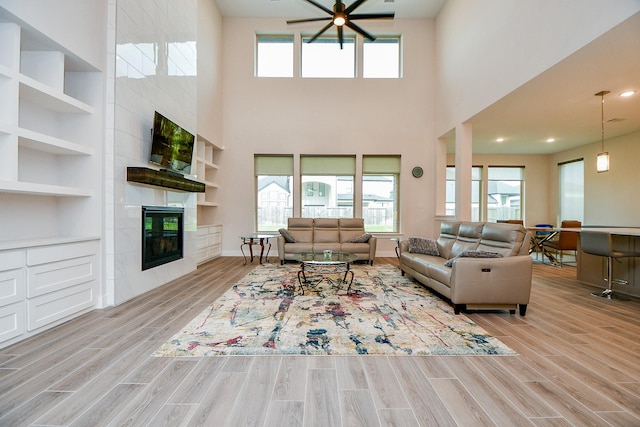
[{"x": 342, "y": 16}]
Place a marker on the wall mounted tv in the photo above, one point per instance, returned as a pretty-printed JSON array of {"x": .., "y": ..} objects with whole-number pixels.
[{"x": 171, "y": 145}]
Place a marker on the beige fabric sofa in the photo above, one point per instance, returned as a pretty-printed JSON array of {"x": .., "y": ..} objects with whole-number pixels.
[
  {"x": 475, "y": 283},
  {"x": 318, "y": 234}
]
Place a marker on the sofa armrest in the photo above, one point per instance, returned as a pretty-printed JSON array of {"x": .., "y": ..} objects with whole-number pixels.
[
  {"x": 373, "y": 241},
  {"x": 491, "y": 280},
  {"x": 280, "y": 241}
]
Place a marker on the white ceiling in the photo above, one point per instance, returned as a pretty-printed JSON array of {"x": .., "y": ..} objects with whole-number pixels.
[
  {"x": 559, "y": 103},
  {"x": 302, "y": 9}
]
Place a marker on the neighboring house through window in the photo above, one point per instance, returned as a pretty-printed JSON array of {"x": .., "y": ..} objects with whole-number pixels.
[
  {"x": 505, "y": 193},
  {"x": 476, "y": 191},
  {"x": 327, "y": 186},
  {"x": 274, "y": 179},
  {"x": 380, "y": 198}
]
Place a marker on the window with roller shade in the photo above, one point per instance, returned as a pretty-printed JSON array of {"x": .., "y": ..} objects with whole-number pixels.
[
  {"x": 327, "y": 186},
  {"x": 505, "y": 192},
  {"x": 380, "y": 196},
  {"x": 274, "y": 190}
]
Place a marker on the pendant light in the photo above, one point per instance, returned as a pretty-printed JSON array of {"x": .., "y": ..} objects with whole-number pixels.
[{"x": 602, "y": 161}]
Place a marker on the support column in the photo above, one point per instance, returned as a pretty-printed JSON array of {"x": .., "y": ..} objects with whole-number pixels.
[{"x": 464, "y": 163}]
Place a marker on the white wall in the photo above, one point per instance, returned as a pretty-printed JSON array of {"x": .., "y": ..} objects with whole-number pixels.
[
  {"x": 144, "y": 84},
  {"x": 486, "y": 49},
  {"x": 209, "y": 71},
  {"x": 325, "y": 116},
  {"x": 610, "y": 197}
]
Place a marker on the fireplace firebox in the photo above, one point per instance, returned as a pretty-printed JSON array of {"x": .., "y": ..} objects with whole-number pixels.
[{"x": 162, "y": 235}]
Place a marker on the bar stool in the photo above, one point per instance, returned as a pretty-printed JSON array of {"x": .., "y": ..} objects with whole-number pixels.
[{"x": 601, "y": 244}]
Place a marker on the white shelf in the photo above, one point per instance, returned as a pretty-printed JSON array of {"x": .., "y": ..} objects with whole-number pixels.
[
  {"x": 207, "y": 163},
  {"x": 211, "y": 184},
  {"x": 43, "y": 189},
  {"x": 206, "y": 156},
  {"x": 5, "y": 72},
  {"x": 37, "y": 141},
  {"x": 47, "y": 97}
]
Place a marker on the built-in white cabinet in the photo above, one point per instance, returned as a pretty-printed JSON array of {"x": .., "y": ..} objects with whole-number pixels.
[
  {"x": 209, "y": 242},
  {"x": 46, "y": 284},
  {"x": 209, "y": 231}
]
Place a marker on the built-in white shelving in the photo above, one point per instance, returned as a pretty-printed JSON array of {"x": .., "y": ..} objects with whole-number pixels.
[
  {"x": 44, "y": 130},
  {"x": 209, "y": 234},
  {"x": 47, "y": 97},
  {"x": 36, "y": 189},
  {"x": 46, "y": 143},
  {"x": 51, "y": 133},
  {"x": 5, "y": 72}
]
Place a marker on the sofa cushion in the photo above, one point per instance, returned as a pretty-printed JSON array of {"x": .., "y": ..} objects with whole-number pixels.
[
  {"x": 468, "y": 238},
  {"x": 299, "y": 248},
  {"x": 419, "y": 245},
  {"x": 319, "y": 247},
  {"x": 448, "y": 235},
  {"x": 364, "y": 238},
  {"x": 325, "y": 230},
  {"x": 301, "y": 229},
  {"x": 287, "y": 236},
  {"x": 350, "y": 228},
  {"x": 506, "y": 239},
  {"x": 473, "y": 254}
]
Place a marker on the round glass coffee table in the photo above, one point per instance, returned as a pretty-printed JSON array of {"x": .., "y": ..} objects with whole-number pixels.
[{"x": 323, "y": 265}]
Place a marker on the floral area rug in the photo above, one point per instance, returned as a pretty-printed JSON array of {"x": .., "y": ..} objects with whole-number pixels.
[{"x": 385, "y": 313}]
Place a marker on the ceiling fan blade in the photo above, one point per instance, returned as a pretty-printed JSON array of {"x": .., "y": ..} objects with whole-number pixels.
[
  {"x": 354, "y": 6},
  {"x": 319, "y": 33},
  {"x": 340, "y": 36},
  {"x": 298, "y": 21},
  {"x": 319, "y": 6},
  {"x": 359, "y": 30},
  {"x": 389, "y": 15}
]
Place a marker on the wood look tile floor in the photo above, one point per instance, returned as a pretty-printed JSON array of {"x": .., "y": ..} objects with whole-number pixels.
[{"x": 578, "y": 364}]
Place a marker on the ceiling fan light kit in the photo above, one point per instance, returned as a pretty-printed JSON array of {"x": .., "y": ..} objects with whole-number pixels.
[{"x": 341, "y": 16}]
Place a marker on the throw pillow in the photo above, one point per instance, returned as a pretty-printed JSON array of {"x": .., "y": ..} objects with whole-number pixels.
[
  {"x": 419, "y": 245},
  {"x": 473, "y": 254},
  {"x": 287, "y": 236},
  {"x": 361, "y": 239}
]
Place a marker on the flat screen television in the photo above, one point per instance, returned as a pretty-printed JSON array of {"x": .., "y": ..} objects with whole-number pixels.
[{"x": 171, "y": 145}]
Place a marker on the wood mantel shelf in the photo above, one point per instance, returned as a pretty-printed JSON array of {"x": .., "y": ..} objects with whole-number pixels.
[{"x": 164, "y": 179}]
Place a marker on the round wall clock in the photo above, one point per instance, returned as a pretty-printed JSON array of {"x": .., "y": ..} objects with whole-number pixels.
[{"x": 417, "y": 172}]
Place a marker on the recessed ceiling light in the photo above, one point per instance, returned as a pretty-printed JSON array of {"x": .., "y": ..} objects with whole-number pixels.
[
  {"x": 628, "y": 93},
  {"x": 551, "y": 140},
  {"x": 499, "y": 139}
]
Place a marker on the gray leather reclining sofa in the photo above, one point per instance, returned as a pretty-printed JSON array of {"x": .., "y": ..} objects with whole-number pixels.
[{"x": 490, "y": 266}]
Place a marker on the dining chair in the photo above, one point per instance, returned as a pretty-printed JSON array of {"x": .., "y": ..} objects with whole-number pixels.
[
  {"x": 566, "y": 241},
  {"x": 539, "y": 235}
]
